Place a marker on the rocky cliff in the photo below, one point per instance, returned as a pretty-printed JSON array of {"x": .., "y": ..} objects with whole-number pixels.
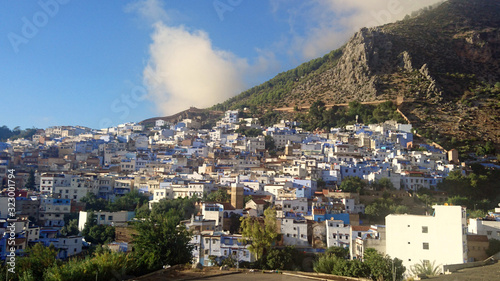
[{"x": 444, "y": 63}]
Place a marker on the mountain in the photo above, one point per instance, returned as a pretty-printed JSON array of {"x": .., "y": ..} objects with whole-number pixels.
[{"x": 444, "y": 64}]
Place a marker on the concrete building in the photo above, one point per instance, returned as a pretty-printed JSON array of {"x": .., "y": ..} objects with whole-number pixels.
[
  {"x": 337, "y": 234},
  {"x": 374, "y": 238},
  {"x": 49, "y": 181},
  {"x": 107, "y": 218},
  {"x": 490, "y": 228},
  {"x": 441, "y": 237},
  {"x": 294, "y": 232},
  {"x": 476, "y": 247}
]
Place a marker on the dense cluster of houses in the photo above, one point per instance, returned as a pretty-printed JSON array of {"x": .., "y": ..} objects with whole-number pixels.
[{"x": 168, "y": 161}]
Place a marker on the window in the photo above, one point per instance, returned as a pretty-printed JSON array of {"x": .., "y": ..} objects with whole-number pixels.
[
  {"x": 110, "y": 218},
  {"x": 425, "y": 229},
  {"x": 426, "y": 246},
  {"x": 488, "y": 232}
]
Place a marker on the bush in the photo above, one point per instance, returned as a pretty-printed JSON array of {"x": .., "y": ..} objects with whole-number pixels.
[{"x": 103, "y": 266}]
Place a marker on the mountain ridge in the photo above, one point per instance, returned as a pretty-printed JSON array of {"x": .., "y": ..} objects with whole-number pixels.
[
  {"x": 445, "y": 61},
  {"x": 444, "y": 64}
]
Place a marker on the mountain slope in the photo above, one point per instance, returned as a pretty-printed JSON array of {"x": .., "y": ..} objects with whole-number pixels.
[{"x": 444, "y": 63}]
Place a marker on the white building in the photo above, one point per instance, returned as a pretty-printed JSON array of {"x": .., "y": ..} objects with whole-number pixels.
[
  {"x": 161, "y": 194},
  {"x": 220, "y": 246},
  {"x": 485, "y": 227},
  {"x": 231, "y": 116},
  {"x": 255, "y": 144},
  {"x": 68, "y": 246},
  {"x": 441, "y": 237},
  {"x": 294, "y": 232},
  {"x": 49, "y": 181},
  {"x": 193, "y": 189},
  {"x": 160, "y": 123},
  {"x": 298, "y": 205},
  {"x": 78, "y": 188},
  {"x": 106, "y": 218},
  {"x": 337, "y": 234}
]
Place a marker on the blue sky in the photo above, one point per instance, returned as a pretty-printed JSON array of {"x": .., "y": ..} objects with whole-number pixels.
[{"x": 102, "y": 63}]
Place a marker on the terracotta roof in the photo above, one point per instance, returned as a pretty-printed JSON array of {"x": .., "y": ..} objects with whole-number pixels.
[
  {"x": 227, "y": 206},
  {"x": 360, "y": 228},
  {"x": 477, "y": 238},
  {"x": 259, "y": 201}
]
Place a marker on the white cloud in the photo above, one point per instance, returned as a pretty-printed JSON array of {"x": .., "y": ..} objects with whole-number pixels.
[
  {"x": 185, "y": 70},
  {"x": 151, "y": 10}
]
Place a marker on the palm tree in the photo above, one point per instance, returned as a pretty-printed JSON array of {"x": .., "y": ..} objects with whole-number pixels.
[{"x": 425, "y": 267}]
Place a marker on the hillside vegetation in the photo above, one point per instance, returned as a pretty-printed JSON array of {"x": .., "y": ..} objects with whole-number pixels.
[{"x": 444, "y": 63}]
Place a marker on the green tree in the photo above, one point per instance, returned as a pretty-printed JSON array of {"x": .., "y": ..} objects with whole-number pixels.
[
  {"x": 282, "y": 259},
  {"x": 331, "y": 264},
  {"x": 30, "y": 183},
  {"x": 71, "y": 228},
  {"x": 352, "y": 184},
  {"x": 102, "y": 266},
  {"x": 235, "y": 223},
  {"x": 184, "y": 207},
  {"x": 38, "y": 258},
  {"x": 143, "y": 211},
  {"x": 97, "y": 234},
  {"x": 383, "y": 184},
  {"x": 325, "y": 264},
  {"x": 92, "y": 203},
  {"x": 260, "y": 234},
  {"x": 218, "y": 196},
  {"x": 160, "y": 241},
  {"x": 269, "y": 143},
  {"x": 340, "y": 252},
  {"x": 381, "y": 207},
  {"x": 425, "y": 268},
  {"x": 458, "y": 201},
  {"x": 382, "y": 267},
  {"x": 129, "y": 202},
  {"x": 493, "y": 248}
]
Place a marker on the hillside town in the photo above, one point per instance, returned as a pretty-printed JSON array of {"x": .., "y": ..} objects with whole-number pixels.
[{"x": 297, "y": 173}]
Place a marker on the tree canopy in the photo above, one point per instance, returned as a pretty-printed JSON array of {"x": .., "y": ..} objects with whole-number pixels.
[
  {"x": 160, "y": 241},
  {"x": 260, "y": 234},
  {"x": 374, "y": 265},
  {"x": 97, "y": 234},
  {"x": 352, "y": 184}
]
